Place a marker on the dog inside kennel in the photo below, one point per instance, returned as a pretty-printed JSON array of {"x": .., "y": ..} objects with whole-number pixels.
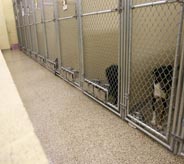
[
  {"x": 154, "y": 47},
  {"x": 101, "y": 51}
]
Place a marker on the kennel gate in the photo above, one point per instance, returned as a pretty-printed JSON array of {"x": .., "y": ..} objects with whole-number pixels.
[
  {"x": 50, "y": 33},
  {"x": 154, "y": 32},
  {"x": 101, "y": 50},
  {"x": 17, "y": 20},
  {"x": 20, "y": 25},
  {"x": 40, "y": 31},
  {"x": 69, "y": 40}
]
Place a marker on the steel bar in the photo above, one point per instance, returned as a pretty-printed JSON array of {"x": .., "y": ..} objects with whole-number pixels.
[
  {"x": 153, "y": 3},
  {"x": 100, "y": 12}
]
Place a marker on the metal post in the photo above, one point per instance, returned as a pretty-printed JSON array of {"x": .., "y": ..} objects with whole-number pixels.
[
  {"x": 17, "y": 23},
  {"x": 58, "y": 33},
  {"x": 179, "y": 104},
  {"x": 44, "y": 31},
  {"x": 29, "y": 27},
  {"x": 23, "y": 24},
  {"x": 128, "y": 53},
  {"x": 35, "y": 28},
  {"x": 120, "y": 57},
  {"x": 181, "y": 130},
  {"x": 178, "y": 52},
  {"x": 80, "y": 34},
  {"x": 123, "y": 58}
]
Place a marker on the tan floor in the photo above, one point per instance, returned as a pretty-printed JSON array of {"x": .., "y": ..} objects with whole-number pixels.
[
  {"x": 72, "y": 128},
  {"x": 18, "y": 142}
]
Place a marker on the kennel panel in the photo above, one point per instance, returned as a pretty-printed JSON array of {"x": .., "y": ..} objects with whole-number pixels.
[
  {"x": 153, "y": 45},
  {"x": 27, "y": 30},
  {"x": 101, "y": 48},
  {"x": 41, "y": 46},
  {"x": 51, "y": 40},
  {"x": 69, "y": 44},
  {"x": 48, "y": 9},
  {"x": 39, "y": 29},
  {"x": 98, "y": 5}
]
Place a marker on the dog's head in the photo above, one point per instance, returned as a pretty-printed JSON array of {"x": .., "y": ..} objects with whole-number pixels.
[{"x": 163, "y": 77}]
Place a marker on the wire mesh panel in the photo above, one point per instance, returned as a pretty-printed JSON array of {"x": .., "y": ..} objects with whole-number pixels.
[
  {"x": 27, "y": 25},
  {"x": 17, "y": 18},
  {"x": 21, "y": 20},
  {"x": 69, "y": 40},
  {"x": 33, "y": 29},
  {"x": 50, "y": 29},
  {"x": 41, "y": 46},
  {"x": 154, "y": 31},
  {"x": 101, "y": 48}
]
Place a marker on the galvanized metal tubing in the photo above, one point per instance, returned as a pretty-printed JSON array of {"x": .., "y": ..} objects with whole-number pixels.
[{"x": 174, "y": 137}]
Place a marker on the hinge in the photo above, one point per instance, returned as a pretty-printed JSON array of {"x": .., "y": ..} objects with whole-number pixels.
[
  {"x": 120, "y": 7},
  {"x": 177, "y": 138}
]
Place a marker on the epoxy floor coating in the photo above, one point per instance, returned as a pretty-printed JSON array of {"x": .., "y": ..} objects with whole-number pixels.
[{"x": 72, "y": 128}]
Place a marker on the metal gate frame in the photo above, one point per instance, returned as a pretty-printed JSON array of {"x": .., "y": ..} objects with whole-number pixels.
[
  {"x": 175, "y": 139},
  {"x": 120, "y": 11}
]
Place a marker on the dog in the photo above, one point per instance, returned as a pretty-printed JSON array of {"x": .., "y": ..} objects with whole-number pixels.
[
  {"x": 161, "y": 90},
  {"x": 112, "y": 77}
]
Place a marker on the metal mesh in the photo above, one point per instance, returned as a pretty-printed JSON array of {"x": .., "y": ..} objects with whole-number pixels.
[
  {"x": 40, "y": 40},
  {"x": 69, "y": 37},
  {"x": 69, "y": 43},
  {"x": 70, "y": 11},
  {"x": 49, "y": 11},
  {"x": 154, "y": 36},
  {"x": 38, "y": 15},
  {"x": 50, "y": 29},
  {"x": 101, "y": 37},
  {"x": 51, "y": 40},
  {"x": 98, "y": 5}
]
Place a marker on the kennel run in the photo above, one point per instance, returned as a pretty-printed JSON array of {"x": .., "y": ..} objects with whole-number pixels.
[{"x": 128, "y": 55}]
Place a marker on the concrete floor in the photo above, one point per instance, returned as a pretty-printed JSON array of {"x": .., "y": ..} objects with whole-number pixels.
[{"x": 72, "y": 128}]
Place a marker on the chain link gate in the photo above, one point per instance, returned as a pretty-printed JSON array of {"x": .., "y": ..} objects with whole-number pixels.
[
  {"x": 25, "y": 14},
  {"x": 40, "y": 32},
  {"x": 69, "y": 40},
  {"x": 50, "y": 33},
  {"x": 33, "y": 31},
  {"x": 20, "y": 12},
  {"x": 101, "y": 35},
  {"x": 154, "y": 32},
  {"x": 17, "y": 20}
]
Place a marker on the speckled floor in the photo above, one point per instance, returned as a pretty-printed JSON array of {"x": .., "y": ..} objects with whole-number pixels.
[{"x": 72, "y": 128}]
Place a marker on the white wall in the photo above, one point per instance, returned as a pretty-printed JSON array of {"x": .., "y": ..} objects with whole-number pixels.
[{"x": 4, "y": 41}]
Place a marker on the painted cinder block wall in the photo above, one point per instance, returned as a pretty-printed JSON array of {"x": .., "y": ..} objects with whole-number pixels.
[{"x": 10, "y": 21}]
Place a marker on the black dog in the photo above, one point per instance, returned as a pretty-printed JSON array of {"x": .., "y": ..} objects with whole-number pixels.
[
  {"x": 161, "y": 89},
  {"x": 112, "y": 77}
]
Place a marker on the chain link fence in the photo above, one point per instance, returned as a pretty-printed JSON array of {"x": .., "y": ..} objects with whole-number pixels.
[
  {"x": 125, "y": 54},
  {"x": 69, "y": 38},
  {"x": 101, "y": 49},
  {"x": 154, "y": 37}
]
